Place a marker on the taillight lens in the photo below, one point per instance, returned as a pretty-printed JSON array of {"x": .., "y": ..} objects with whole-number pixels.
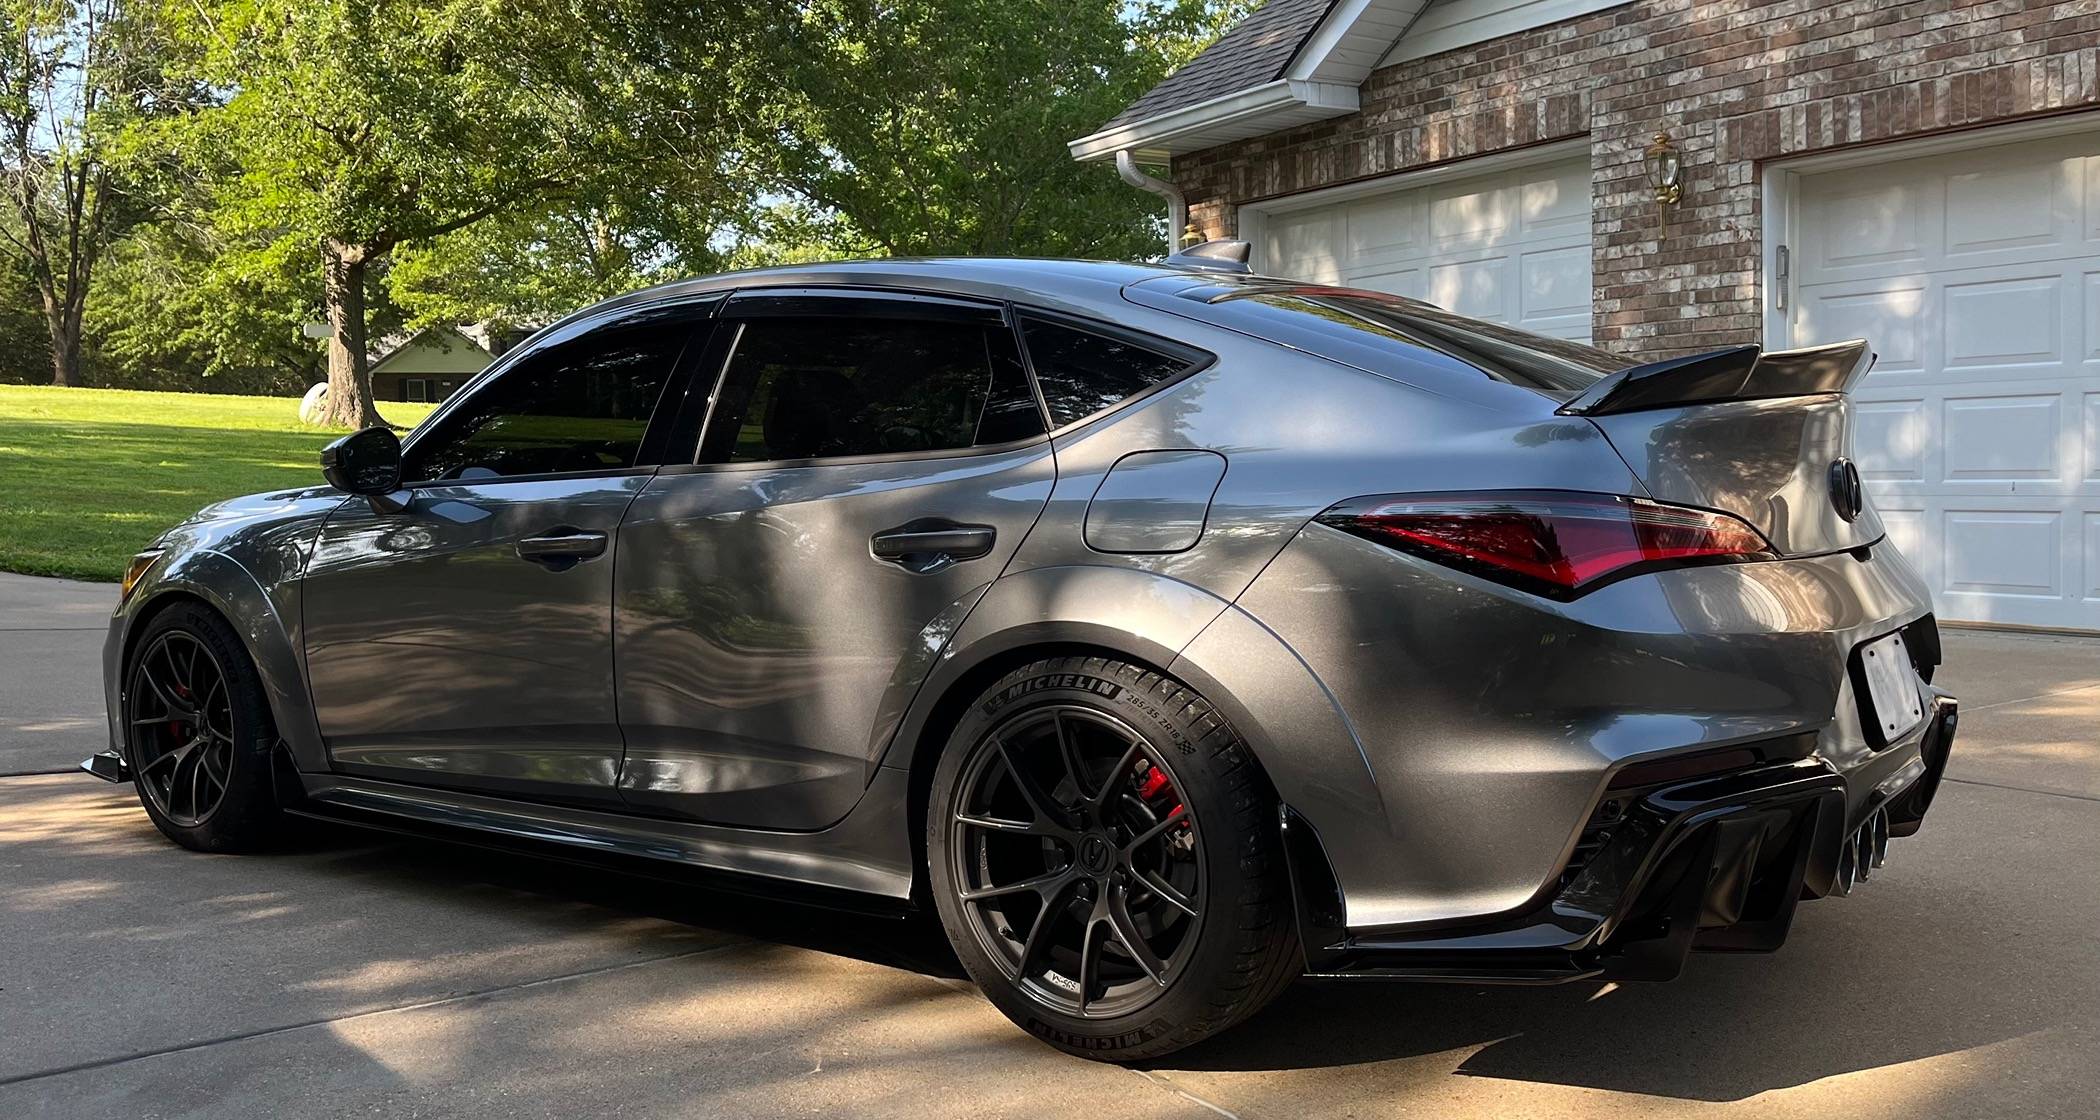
[{"x": 1553, "y": 542}]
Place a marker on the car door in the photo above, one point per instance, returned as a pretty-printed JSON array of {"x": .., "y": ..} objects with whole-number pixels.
[
  {"x": 461, "y": 634},
  {"x": 869, "y": 463}
]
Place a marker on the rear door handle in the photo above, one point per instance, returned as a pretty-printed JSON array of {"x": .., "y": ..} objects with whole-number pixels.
[
  {"x": 928, "y": 545},
  {"x": 562, "y": 547}
]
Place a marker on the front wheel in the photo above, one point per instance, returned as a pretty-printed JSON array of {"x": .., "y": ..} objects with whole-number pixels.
[
  {"x": 198, "y": 733},
  {"x": 1104, "y": 856}
]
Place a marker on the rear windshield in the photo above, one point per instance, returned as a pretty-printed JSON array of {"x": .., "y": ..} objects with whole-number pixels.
[{"x": 1348, "y": 315}]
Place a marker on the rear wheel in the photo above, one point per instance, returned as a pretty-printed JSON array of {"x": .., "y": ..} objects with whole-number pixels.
[
  {"x": 1103, "y": 853},
  {"x": 198, "y": 733}
]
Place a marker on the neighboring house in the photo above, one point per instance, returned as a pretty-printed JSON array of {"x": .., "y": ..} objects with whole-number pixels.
[
  {"x": 429, "y": 364},
  {"x": 1926, "y": 175}
]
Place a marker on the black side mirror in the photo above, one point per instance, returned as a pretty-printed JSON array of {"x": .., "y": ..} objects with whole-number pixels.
[{"x": 366, "y": 462}]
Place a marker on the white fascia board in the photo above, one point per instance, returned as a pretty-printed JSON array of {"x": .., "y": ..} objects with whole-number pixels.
[
  {"x": 1370, "y": 27},
  {"x": 1157, "y": 135}
]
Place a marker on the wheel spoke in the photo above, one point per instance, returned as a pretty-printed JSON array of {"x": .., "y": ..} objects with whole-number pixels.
[
  {"x": 1170, "y": 820},
  {"x": 1045, "y": 807},
  {"x": 1122, "y": 767},
  {"x": 197, "y": 784},
  {"x": 189, "y": 676},
  {"x": 1068, "y": 753},
  {"x": 1045, "y": 884},
  {"x": 217, "y": 773},
  {"x": 1089, "y": 961},
  {"x": 1167, "y": 893},
  {"x": 171, "y": 756},
  {"x": 1035, "y": 948},
  {"x": 1127, "y": 933},
  {"x": 167, "y": 700},
  {"x": 997, "y": 824}
]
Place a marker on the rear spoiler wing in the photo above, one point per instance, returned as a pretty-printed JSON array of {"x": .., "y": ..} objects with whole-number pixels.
[{"x": 1739, "y": 373}]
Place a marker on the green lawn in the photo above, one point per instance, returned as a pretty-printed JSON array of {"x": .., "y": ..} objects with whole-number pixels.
[{"x": 89, "y": 476}]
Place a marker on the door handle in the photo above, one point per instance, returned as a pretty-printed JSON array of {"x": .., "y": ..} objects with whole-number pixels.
[
  {"x": 928, "y": 545},
  {"x": 562, "y": 547}
]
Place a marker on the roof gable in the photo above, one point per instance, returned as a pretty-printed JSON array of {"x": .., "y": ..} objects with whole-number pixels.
[{"x": 1297, "y": 61}]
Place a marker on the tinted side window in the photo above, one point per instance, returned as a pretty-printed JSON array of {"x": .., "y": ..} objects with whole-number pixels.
[
  {"x": 1082, "y": 373},
  {"x": 822, "y": 386},
  {"x": 580, "y": 406}
]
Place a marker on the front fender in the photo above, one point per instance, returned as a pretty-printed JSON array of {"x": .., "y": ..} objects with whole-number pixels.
[{"x": 231, "y": 589}]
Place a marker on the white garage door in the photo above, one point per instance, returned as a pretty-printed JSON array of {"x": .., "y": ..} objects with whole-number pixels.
[
  {"x": 1513, "y": 246},
  {"x": 1976, "y": 277}
]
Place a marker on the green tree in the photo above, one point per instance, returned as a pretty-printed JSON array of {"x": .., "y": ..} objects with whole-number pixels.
[
  {"x": 74, "y": 76},
  {"x": 939, "y": 126},
  {"x": 355, "y": 128}
]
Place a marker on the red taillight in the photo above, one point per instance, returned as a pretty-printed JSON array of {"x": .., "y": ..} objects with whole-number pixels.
[{"x": 1559, "y": 543}]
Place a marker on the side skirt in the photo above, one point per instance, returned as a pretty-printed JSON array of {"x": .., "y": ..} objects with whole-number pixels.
[{"x": 866, "y": 855}]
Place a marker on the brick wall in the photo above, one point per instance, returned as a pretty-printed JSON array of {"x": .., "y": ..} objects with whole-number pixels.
[{"x": 1734, "y": 82}]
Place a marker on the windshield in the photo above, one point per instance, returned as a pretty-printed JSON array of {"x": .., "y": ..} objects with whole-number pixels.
[{"x": 1551, "y": 365}]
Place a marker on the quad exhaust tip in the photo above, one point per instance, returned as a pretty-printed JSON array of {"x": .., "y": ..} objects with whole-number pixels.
[{"x": 1864, "y": 850}]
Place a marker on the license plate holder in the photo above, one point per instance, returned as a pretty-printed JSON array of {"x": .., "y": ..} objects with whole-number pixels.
[{"x": 1891, "y": 703}]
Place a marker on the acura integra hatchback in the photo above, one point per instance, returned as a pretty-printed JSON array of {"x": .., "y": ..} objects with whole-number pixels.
[{"x": 1169, "y": 631}]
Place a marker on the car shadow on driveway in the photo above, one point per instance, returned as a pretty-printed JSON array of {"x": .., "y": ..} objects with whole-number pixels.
[
  {"x": 913, "y": 942},
  {"x": 1970, "y": 937}
]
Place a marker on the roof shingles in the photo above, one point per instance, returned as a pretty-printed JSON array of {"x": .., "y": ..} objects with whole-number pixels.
[{"x": 1253, "y": 53}]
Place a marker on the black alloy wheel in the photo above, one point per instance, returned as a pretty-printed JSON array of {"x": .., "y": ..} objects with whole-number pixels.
[
  {"x": 1077, "y": 860},
  {"x": 180, "y": 715}
]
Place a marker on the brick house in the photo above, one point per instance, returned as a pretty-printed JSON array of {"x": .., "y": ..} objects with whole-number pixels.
[{"x": 1924, "y": 174}]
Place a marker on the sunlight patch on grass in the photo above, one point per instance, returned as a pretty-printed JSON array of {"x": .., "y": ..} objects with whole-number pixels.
[{"x": 90, "y": 476}]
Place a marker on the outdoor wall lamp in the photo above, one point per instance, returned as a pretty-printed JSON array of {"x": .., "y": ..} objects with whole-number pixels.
[{"x": 1665, "y": 167}]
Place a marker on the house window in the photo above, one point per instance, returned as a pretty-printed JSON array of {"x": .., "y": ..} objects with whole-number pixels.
[{"x": 418, "y": 389}]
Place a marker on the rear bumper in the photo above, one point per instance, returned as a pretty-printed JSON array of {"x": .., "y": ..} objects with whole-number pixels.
[{"x": 1717, "y": 863}]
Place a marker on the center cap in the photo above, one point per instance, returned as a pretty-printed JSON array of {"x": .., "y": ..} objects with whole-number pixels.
[{"x": 1094, "y": 853}]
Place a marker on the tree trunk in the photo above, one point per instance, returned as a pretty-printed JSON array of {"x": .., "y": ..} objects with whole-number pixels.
[
  {"x": 65, "y": 342},
  {"x": 349, "y": 377}
]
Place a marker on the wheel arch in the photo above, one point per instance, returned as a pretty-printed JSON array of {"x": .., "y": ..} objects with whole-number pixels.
[
  {"x": 221, "y": 585},
  {"x": 1171, "y": 628}
]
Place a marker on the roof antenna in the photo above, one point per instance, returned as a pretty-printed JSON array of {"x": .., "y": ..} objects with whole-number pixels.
[{"x": 1223, "y": 255}]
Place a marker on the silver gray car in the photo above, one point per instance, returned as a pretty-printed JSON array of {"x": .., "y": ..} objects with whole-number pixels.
[{"x": 1170, "y": 632}]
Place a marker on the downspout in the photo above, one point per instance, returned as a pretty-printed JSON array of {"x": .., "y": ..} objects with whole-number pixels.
[{"x": 1177, "y": 205}]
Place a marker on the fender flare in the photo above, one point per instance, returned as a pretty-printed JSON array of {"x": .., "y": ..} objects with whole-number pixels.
[
  {"x": 223, "y": 584},
  {"x": 1306, "y": 746}
]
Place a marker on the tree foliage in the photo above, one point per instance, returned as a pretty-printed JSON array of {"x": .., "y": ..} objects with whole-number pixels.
[
  {"x": 389, "y": 163},
  {"x": 939, "y": 126}
]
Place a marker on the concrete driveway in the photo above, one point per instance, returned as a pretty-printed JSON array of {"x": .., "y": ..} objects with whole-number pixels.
[
  {"x": 50, "y": 671},
  {"x": 358, "y": 975}
]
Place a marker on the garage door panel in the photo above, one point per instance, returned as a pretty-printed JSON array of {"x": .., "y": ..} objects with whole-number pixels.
[
  {"x": 2005, "y": 207},
  {"x": 2003, "y": 322},
  {"x": 1975, "y": 276},
  {"x": 2090, "y": 586},
  {"x": 2003, "y": 438},
  {"x": 1555, "y": 200},
  {"x": 2089, "y": 191},
  {"x": 1870, "y": 228},
  {"x": 1472, "y": 213},
  {"x": 1304, "y": 245},
  {"x": 1400, "y": 282},
  {"x": 1890, "y": 315},
  {"x": 1479, "y": 288},
  {"x": 2003, "y": 552},
  {"x": 2089, "y": 444},
  {"x": 1889, "y": 439},
  {"x": 1382, "y": 229}
]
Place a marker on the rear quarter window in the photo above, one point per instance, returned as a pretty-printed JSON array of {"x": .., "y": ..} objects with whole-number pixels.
[{"x": 1082, "y": 372}]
